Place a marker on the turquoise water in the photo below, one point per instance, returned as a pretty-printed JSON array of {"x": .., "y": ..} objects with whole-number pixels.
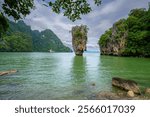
[{"x": 66, "y": 76}]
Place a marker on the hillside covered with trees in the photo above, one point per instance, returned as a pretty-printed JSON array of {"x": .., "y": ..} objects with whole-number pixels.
[
  {"x": 128, "y": 37},
  {"x": 20, "y": 38}
]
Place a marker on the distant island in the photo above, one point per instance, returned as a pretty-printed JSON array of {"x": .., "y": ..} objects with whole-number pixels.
[
  {"x": 128, "y": 37},
  {"x": 20, "y": 38}
]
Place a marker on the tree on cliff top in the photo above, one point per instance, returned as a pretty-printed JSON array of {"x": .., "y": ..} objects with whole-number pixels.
[
  {"x": 14, "y": 8},
  {"x": 20, "y": 8}
]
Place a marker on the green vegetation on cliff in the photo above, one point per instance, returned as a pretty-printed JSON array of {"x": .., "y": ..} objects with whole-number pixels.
[
  {"x": 20, "y": 37},
  {"x": 128, "y": 37},
  {"x": 79, "y": 39},
  {"x": 16, "y": 42}
]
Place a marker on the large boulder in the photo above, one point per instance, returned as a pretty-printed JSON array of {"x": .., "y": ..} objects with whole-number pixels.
[
  {"x": 128, "y": 85},
  {"x": 79, "y": 39}
]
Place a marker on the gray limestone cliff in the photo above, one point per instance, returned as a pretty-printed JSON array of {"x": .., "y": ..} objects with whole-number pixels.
[{"x": 115, "y": 39}]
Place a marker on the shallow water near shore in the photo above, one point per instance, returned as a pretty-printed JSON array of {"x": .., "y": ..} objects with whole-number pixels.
[{"x": 66, "y": 76}]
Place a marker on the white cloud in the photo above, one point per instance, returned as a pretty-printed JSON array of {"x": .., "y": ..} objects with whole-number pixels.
[{"x": 107, "y": 9}]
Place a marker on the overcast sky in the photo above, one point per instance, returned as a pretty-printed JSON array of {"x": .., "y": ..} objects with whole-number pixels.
[{"x": 98, "y": 20}]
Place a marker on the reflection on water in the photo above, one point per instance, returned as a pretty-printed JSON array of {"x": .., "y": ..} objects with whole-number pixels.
[
  {"x": 129, "y": 68},
  {"x": 79, "y": 69},
  {"x": 65, "y": 76},
  {"x": 78, "y": 72}
]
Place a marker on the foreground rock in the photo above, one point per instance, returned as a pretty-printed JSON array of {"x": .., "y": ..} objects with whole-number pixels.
[
  {"x": 79, "y": 39},
  {"x": 106, "y": 95},
  {"x": 127, "y": 85},
  {"x": 147, "y": 91},
  {"x": 130, "y": 94},
  {"x": 7, "y": 72},
  {"x": 130, "y": 86}
]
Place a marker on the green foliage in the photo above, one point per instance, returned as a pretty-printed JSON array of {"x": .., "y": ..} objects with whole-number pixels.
[
  {"x": 122, "y": 25},
  {"x": 138, "y": 42},
  {"x": 138, "y": 12},
  {"x": 121, "y": 28},
  {"x": 72, "y": 8},
  {"x": 79, "y": 39},
  {"x": 145, "y": 20},
  {"x": 16, "y": 42},
  {"x": 105, "y": 37},
  {"x": 47, "y": 40},
  {"x": 137, "y": 27},
  {"x": 80, "y": 32},
  {"x": 117, "y": 32},
  {"x": 19, "y": 34},
  {"x": 133, "y": 23},
  {"x": 17, "y": 8},
  {"x": 3, "y": 24}
]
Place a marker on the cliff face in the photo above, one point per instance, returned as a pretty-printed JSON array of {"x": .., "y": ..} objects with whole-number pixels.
[
  {"x": 79, "y": 39},
  {"x": 115, "y": 39},
  {"x": 128, "y": 37}
]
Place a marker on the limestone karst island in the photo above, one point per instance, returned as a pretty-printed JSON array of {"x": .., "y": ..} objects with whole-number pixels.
[{"x": 71, "y": 50}]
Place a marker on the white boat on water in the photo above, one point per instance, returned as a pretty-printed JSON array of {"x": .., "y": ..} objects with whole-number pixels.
[{"x": 51, "y": 51}]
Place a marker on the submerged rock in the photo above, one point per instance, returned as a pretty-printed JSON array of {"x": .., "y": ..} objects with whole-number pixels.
[
  {"x": 93, "y": 84},
  {"x": 128, "y": 85},
  {"x": 7, "y": 72},
  {"x": 79, "y": 39},
  {"x": 107, "y": 96}
]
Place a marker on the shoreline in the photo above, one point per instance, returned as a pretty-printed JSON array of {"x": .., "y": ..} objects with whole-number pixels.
[{"x": 106, "y": 95}]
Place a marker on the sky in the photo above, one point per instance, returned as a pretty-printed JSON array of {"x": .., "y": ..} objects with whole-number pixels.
[{"x": 98, "y": 20}]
